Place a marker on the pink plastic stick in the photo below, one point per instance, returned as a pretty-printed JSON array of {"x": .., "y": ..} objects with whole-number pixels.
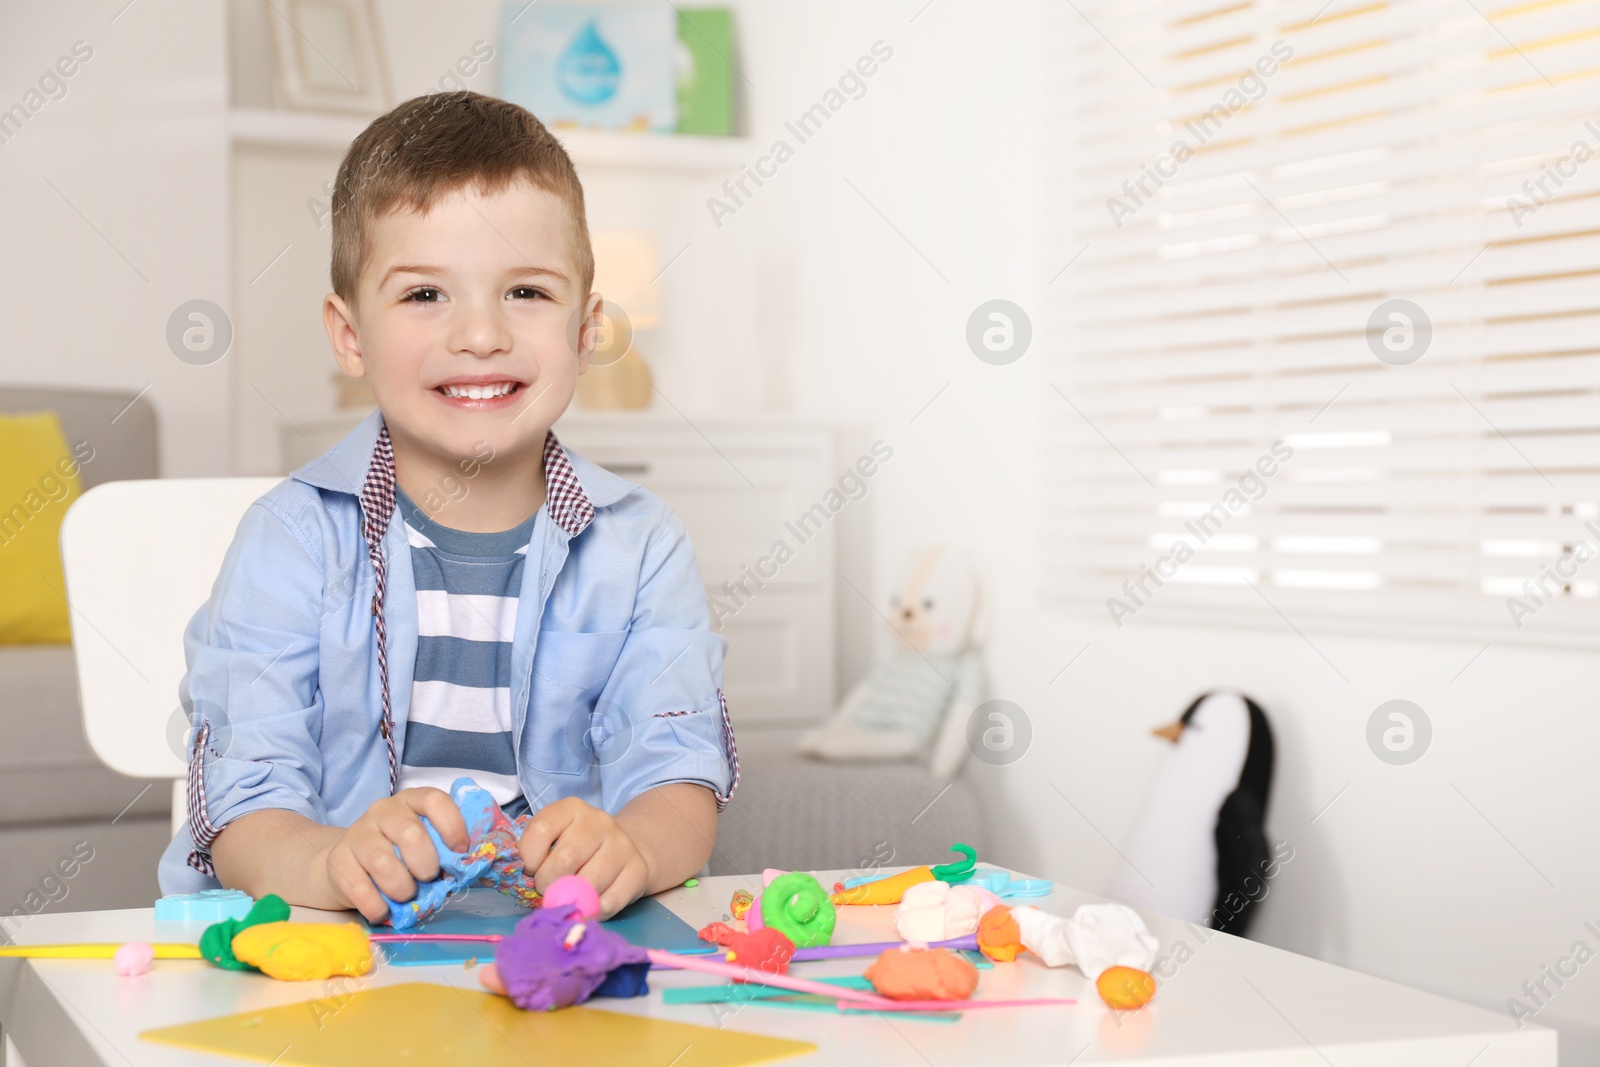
[
  {"x": 436, "y": 937},
  {"x": 780, "y": 981},
  {"x": 958, "y": 1005},
  {"x": 844, "y": 996}
]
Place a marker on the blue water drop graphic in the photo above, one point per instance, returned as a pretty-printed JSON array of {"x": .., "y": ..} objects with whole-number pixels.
[{"x": 588, "y": 70}]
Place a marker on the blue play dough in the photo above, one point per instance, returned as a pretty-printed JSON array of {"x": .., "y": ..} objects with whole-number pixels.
[
  {"x": 628, "y": 980},
  {"x": 457, "y": 870}
]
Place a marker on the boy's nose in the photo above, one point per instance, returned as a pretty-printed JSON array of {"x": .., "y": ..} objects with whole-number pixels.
[{"x": 482, "y": 332}]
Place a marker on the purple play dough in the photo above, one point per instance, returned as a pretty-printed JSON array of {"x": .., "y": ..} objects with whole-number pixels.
[{"x": 541, "y": 973}]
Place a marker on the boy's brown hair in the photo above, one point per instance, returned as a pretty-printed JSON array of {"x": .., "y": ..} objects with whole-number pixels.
[{"x": 436, "y": 144}]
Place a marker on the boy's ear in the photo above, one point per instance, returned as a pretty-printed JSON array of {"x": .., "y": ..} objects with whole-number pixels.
[
  {"x": 339, "y": 321},
  {"x": 593, "y": 319}
]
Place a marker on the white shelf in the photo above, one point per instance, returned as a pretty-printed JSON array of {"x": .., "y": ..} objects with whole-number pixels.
[
  {"x": 294, "y": 129},
  {"x": 265, "y": 127}
]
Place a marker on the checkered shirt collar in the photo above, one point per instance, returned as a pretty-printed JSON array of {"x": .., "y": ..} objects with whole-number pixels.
[{"x": 568, "y": 504}]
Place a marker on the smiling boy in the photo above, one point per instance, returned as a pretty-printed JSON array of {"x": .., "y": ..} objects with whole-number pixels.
[{"x": 371, "y": 638}]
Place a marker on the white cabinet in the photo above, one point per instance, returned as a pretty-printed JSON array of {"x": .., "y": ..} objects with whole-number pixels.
[{"x": 750, "y": 494}]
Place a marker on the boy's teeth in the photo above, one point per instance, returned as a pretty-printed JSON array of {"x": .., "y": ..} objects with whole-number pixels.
[{"x": 478, "y": 392}]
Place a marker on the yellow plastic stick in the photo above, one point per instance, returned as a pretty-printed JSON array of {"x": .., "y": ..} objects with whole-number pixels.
[{"x": 95, "y": 951}]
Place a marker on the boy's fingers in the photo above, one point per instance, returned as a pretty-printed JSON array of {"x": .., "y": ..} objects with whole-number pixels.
[
  {"x": 575, "y": 847},
  {"x": 543, "y": 829},
  {"x": 442, "y": 812},
  {"x": 624, "y": 891},
  {"x": 416, "y": 847},
  {"x": 371, "y": 905},
  {"x": 352, "y": 882},
  {"x": 390, "y": 875},
  {"x": 602, "y": 868}
]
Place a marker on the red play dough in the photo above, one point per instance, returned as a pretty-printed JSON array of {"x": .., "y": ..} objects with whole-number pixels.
[
  {"x": 718, "y": 933},
  {"x": 765, "y": 950},
  {"x": 909, "y": 973}
]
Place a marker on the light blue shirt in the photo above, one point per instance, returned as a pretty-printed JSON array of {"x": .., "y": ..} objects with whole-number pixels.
[{"x": 615, "y": 672}]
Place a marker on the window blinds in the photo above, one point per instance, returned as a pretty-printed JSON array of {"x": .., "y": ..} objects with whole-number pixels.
[{"x": 1331, "y": 325}]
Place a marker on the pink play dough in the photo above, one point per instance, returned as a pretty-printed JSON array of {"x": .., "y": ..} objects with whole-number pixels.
[
  {"x": 573, "y": 890},
  {"x": 133, "y": 958}
]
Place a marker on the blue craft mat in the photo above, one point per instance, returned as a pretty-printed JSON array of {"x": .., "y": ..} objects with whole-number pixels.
[{"x": 482, "y": 910}]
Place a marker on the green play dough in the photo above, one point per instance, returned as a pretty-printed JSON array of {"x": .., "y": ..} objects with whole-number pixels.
[
  {"x": 960, "y": 870},
  {"x": 216, "y": 944},
  {"x": 797, "y": 906}
]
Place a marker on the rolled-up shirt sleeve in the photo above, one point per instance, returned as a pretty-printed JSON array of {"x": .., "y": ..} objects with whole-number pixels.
[
  {"x": 667, "y": 681},
  {"x": 251, "y": 691}
]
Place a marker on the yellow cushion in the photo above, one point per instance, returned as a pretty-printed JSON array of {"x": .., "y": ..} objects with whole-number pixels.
[{"x": 38, "y": 481}]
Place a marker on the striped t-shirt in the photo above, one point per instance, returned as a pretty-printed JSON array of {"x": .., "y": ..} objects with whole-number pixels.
[{"x": 460, "y": 719}]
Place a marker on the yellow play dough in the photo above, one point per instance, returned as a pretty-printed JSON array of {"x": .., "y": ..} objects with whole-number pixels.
[{"x": 302, "y": 952}]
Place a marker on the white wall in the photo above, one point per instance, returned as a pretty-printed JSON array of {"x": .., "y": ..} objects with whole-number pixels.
[
  {"x": 1400, "y": 876},
  {"x": 134, "y": 225}
]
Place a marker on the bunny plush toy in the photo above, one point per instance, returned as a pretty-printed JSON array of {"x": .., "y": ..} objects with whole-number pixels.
[{"x": 915, "y": 701}]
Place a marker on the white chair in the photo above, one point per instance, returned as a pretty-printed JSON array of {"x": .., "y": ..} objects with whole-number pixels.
[{"x": 140, "y": 558}]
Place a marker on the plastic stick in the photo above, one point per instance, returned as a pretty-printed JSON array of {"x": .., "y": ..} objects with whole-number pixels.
[
  {"x": 845, "y": 998},
  {"x": 436, "y": 937},
  {"x": 750, "y": 974},
  {"x": 102, "y": 951},
  {"x": 959, "y": 1005},
  {"x": 845, "y": 952},
  {"x": 842, "y": 952}
]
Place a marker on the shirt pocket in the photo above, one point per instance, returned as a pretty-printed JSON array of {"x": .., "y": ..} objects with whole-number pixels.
[{"x": 569, "y": 734}]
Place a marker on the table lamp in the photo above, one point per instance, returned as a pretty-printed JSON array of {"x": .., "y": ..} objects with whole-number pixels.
[{"x": 626, "y": 264}]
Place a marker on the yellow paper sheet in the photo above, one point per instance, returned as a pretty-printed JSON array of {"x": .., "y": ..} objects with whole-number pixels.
[{"x": 436, "y": 1024}]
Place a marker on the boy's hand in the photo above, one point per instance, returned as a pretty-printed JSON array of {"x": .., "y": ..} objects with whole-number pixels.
[
  {"x": 363, "y": 861},
  {"x": 588, "y": 842}
]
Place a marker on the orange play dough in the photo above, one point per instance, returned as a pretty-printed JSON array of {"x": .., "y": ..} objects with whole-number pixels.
[
  {"x": 999, "y": 937},
  {"x": 1125, "y": 988},
  {"x": 923, "y": 974}
]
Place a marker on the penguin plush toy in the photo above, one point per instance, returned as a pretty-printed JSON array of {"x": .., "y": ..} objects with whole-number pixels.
[{"x": 1199, "y": 851}]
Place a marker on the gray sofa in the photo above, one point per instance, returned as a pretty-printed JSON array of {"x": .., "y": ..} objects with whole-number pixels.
[{"x": 61, "y": 809}]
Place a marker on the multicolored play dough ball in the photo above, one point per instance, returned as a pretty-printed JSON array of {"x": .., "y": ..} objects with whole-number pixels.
[
  {"x": 1125, "y": 988},
  {"x": 216, "y": 943},
  {"x": 796, "y": 905},
  {"x": 574, "y": 891}
]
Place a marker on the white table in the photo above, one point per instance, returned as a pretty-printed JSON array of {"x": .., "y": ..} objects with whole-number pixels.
[{"x": 1231, "y": 1002}]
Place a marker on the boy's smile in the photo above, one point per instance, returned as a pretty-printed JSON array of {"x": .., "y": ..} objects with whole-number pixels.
[
  {"x": 479, "y": 392},
  {"x": 466, "y": 329}
]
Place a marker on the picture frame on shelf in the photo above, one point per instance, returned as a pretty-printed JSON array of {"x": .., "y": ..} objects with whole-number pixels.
[{"x": 328, "y": 56}]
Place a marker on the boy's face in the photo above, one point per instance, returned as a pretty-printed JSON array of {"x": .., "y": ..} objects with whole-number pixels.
[{"x": 467, "y": 324}]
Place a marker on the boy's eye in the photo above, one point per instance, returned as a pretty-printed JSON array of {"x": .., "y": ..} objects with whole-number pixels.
[
  {"x": 423, "y": 294},
  {"x": 528, "y": 292}
]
